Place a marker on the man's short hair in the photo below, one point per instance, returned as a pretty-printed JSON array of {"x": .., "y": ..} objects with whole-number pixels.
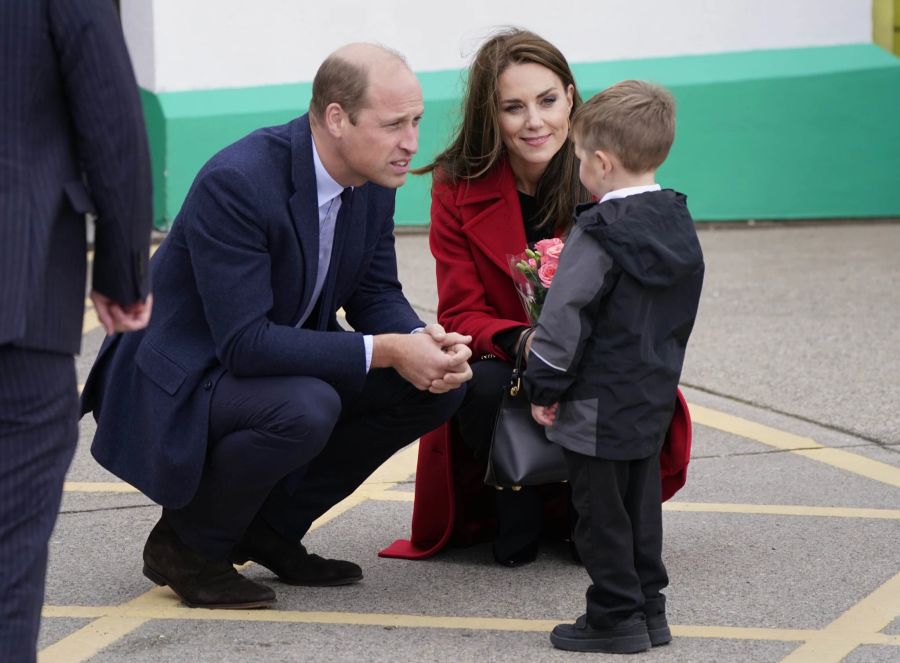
[
  {"x": 342, "y": 81},
  {"x": 635, "y": 120},
  {"x": 339, "y": 81}
]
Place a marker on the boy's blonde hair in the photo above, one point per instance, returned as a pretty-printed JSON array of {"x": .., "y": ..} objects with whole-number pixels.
[{"x": 635, "y": 120}]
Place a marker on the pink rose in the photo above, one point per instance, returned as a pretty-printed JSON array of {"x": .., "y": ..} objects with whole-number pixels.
[
  {"x": 547, "y": 272},
  {"x": 532, "y": 262},
  {"x": 542, "y": 246},
  {"x": 552, "y": 253}
]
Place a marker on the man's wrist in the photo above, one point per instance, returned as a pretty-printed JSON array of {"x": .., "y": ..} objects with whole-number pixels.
[{"x": 385, "y": 348}]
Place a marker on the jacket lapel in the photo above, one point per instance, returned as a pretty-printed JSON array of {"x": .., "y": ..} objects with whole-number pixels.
[{"x": 304, "y": 206}]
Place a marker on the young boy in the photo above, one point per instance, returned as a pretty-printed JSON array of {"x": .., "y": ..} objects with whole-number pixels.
[{"x": 607, "y": 355}]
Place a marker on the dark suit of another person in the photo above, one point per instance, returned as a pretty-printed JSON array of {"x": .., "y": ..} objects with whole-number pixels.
[
  {"x": 72, "y": 141},
  {"x": 220, "y": 410}
]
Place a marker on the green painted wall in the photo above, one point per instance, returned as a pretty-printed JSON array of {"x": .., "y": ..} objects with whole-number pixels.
[{"x": 784, "y": 134}]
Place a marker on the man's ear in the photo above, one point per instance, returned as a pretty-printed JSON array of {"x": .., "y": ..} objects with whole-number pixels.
[
  {"x": 607, "y": 164},
  {"x": 335, "y": 119}
]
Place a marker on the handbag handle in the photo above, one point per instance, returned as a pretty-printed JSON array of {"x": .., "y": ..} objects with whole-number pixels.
[{"x": 515, "y": 382}]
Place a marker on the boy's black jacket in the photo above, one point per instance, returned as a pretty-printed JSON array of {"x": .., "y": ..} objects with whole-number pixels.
[{"x": 611, "y": 338}]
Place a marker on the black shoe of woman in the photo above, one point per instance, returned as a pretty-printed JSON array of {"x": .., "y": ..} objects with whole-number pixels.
[{"x": 520, "y": 557}]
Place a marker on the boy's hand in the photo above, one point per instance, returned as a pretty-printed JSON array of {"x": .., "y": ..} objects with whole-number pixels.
[{"x": 545, "y": 415}]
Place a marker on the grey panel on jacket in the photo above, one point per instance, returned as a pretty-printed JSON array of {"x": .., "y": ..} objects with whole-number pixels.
[
  {"x": 563, "y": 326},
  {"x": 576, "y": 426}
]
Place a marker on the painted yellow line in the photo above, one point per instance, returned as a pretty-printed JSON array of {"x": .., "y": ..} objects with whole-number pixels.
[
  {"x": 174, "y": 611},
  {"x": 164, "y": 607},
  {"x": 783, "y": 510},
  {"x": 384, "y": 493},
  {"x": 775, "y": 634},
  {"x": 852, "y": 628},
  {"x": 96, "y": 635},
  {"x": 98, "y": 487},
  {"x": 394, "y": 496},
  {"x": 804, "y": 446}
]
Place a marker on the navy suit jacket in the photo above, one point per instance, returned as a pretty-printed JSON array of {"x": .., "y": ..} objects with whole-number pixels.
[
  {"x": 72, "y": 141},
  {"x": 230, "y": 283}
]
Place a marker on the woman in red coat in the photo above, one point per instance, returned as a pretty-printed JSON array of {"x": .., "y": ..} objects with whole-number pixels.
[{"x": 509, "y": 179}]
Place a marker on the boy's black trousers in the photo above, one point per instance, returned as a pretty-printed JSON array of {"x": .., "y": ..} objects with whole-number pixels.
[{"x": 619, "y": 536}]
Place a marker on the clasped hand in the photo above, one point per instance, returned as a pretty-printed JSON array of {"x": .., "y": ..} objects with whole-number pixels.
[{"x": 434, "y": 359}]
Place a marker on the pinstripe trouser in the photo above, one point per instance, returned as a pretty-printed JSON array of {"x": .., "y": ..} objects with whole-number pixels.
[{"x": 38, "y": 433}]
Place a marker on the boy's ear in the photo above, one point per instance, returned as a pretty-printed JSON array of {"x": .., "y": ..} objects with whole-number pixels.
[{"x": 605, "y": 160}]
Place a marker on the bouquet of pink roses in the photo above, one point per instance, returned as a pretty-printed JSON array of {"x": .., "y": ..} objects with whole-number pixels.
[{"x": 533, "y": 271}]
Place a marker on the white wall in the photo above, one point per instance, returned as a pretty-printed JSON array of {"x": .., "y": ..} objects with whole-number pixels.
[{"x": 202, "y": 44}]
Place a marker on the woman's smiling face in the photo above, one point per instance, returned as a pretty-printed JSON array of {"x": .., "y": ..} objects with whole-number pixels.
[{"x": 534, "y": 118}]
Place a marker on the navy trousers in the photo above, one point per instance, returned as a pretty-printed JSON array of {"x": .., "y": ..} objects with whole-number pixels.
[
  {"x": 288, "y": 448},
  {"x": 38, "y": 433}
]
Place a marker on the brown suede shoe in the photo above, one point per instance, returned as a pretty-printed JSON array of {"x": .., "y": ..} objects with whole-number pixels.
[
  {"x": 290, "y": 561},
  {"x": 199, "y": 582}
]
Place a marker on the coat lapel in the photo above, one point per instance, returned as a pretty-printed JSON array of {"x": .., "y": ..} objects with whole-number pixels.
[
  {"x": 304, "y": 206},
  {"x": 492, "y": 215}
]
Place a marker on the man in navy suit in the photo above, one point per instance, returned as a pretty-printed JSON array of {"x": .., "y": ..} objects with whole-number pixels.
[
  {"x": 245, "y": 409},
  {"x": 72, "y": 141}
]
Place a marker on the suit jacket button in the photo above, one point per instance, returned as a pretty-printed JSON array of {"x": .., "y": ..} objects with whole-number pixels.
[{"x": 207, "y": 385}]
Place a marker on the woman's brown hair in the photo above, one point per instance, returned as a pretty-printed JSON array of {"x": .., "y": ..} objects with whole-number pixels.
[{"x": 478, "y": 147}]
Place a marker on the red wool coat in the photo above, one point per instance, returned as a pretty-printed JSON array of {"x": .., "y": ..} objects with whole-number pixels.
[{"x": 474, "y": 225}]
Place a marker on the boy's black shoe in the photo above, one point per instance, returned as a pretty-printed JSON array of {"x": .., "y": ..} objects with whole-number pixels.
[
  {"x": 658, "y": 629},
  {"x": 629, "y": 637}
]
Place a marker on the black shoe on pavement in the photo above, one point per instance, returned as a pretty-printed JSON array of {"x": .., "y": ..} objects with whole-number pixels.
[
  {"x": 629, "y": 637},
  {"x": 197, "y": 581},
  {"x": 520, "y": 557},
  {"x": 658, "y": 629},
  {"x": 290, "y": 561}
]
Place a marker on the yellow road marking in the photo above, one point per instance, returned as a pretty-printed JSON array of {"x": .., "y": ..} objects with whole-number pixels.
[
  {"x": 164, "y": 606},
  {"x": 783, "y": 510},
  {"x": 394, "y": 496},
  {"x": 803, "y": 446},
  {"x": 852, "y": 628},
  {"x": 98, "y": 487},
  {"x": 381, "y": 493}
]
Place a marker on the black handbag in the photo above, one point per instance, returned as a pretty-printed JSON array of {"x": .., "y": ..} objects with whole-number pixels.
[{"x": 521, "y": 454}]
